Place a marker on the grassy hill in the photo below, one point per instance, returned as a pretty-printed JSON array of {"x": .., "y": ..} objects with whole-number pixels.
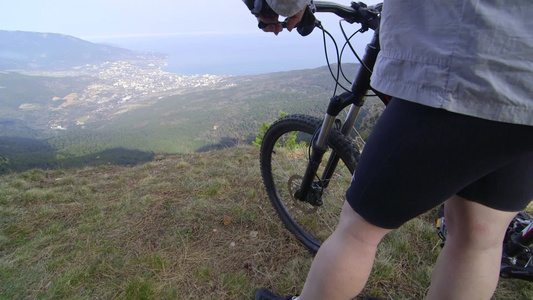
[{"x": 187, "y": 226}]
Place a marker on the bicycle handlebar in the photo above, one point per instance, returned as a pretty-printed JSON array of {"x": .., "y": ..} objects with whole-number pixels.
[{"x": 358, "y": 12}]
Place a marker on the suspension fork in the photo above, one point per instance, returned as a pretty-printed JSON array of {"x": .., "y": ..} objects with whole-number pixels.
[
  {"x": 334, "y": 158},
  {"x": 360, "y": 88},
  {"x": 361, "y": 85},
  {"x": 356, "y": 98},
  {"x": 309, "y": 190}
]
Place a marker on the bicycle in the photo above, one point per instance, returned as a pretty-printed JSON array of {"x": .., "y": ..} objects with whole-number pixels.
[{"x": 307, "y": 163}]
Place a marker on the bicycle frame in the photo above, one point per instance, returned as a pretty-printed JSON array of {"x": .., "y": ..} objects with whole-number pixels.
[
  {"x": 355, "y": 98},
  {"x": 517, "y": 255}
]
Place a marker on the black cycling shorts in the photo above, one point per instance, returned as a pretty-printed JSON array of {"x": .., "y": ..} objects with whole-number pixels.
[{"x": 418, "y": 156}]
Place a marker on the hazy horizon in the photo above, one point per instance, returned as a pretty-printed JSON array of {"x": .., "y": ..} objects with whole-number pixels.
[
  {"x": 190, "y": 55},
  {"x": 199, "y": 37}
]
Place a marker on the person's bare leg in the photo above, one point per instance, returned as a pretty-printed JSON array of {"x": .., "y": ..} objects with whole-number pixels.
[
  {"x": 469, "y": 264},
  {"x": 343, "y": 263}
]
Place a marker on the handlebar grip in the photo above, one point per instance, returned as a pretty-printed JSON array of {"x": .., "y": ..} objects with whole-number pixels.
[
  {"x": 308, "y": 22},
  {"x": 262, "y": 24}
]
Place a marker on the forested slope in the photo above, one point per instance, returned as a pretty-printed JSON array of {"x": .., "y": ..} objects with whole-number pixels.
[{"x": 189, "y": 122}]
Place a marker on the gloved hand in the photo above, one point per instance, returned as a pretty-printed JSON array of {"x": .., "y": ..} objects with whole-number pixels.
[
  {"x": 275, "y": 27},
  {"x": 269, "y": 16}
]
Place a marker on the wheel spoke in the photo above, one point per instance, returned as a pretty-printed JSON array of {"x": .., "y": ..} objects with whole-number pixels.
[{"x": 284, "y": 163}]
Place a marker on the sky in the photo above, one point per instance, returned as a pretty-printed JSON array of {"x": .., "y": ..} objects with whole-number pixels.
[
  {"x": 111, "y": 18},
  {"x": 121, "y": 21}
]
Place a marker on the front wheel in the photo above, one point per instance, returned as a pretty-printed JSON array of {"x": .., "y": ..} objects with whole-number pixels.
[{"x": 284, "y": 158}]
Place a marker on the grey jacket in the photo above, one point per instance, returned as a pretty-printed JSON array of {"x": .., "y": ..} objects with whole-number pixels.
[{"x": 473, "y": 57}]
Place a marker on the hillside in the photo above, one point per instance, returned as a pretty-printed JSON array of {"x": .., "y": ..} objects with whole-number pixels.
[
  {"x": 210, "y": 116},
  {"x": 188, "y": 226},
  {"x": 31, "y": 105}
]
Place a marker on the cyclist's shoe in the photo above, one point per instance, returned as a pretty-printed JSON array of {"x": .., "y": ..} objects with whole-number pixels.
[{"x": 264, "y": 294}]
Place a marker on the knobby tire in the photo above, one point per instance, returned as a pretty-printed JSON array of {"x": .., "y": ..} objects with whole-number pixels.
[{"x": 284, "y": 158}]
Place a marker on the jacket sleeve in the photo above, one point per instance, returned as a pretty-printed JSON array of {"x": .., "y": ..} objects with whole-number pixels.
[{"x": 287, "y": 8}]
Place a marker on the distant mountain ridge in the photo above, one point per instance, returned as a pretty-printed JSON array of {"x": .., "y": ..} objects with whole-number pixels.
[{"x": 22, "y": 50}]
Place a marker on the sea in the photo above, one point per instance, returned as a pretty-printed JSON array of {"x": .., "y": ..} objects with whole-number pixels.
[{"x": 236, "y": 54}]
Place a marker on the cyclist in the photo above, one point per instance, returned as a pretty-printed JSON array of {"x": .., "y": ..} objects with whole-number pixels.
[{"x": 460, "y": 130}]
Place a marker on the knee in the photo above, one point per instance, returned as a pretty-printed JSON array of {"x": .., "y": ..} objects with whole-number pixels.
[
  {"x": 355, "y": 227},
  {"x": 476, "y": 236},
  {"x": 475, "y": 226}
]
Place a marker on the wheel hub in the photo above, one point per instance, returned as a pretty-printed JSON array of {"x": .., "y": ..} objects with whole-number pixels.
[{"x": 294, "y": 184}]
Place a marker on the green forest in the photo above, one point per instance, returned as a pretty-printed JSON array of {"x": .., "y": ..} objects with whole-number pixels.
[{"x": 37, "y": 92}]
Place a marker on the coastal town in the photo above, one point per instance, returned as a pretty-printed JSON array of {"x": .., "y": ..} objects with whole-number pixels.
[
  {"x": 121, "y": 86},
  {"x": 150, "y": 78}
]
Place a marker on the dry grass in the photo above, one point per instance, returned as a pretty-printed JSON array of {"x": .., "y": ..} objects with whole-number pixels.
[{"x": 195, "y": 226}]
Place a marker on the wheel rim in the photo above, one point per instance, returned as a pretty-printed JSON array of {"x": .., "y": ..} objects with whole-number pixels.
[{"x": 288, "y": 162}]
